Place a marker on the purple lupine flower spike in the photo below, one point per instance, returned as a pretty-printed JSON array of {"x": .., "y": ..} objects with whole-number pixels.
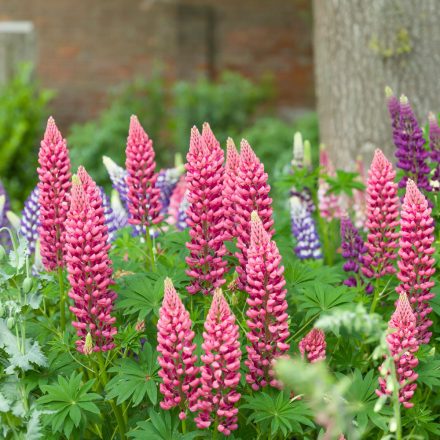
[
  {"x": 118, "y": 176},
  {"x": 434, "y": 146},
  {"x": 120, "y": 215},
  {"x": 410, "y": 144},
  {"x": 304, "y": 231},
  {"x": 353, "y": 250},
  {"x": 109, "y": 215},
  {"x": 30, "y": 219},
  {"x": 166, "y": 182}
]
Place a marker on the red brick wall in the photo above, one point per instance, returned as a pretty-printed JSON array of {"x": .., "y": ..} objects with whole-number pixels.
[{"x": 87, "y": 46}]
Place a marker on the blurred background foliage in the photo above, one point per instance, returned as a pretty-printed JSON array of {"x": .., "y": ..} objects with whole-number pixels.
[
  {"x": 23, "y": 109},
  {"x": 233, "y": 105}
]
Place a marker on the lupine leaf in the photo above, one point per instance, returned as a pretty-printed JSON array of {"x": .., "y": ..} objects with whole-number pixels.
[{"x": 429, "y": 372}]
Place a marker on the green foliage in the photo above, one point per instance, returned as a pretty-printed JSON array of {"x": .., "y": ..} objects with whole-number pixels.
[
  {"x": 135, "y": 380},
  {"x": 71, "y": 404},
  {"x": 23, "y": 108},
  {"x": 277, "y": 414},
  {"x": 161, "y": 426}
]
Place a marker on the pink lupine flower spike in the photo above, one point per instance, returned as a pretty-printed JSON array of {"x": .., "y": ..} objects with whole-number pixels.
[
  {"x": 89, "y": 268},
  {"x": 177, "y": 359},
  {"x": 267, "y": 312},
  {"x": 220, "y": 374}
]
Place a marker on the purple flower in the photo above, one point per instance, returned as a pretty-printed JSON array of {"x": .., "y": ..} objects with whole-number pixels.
[
  {"x": 304, "y": 230},
  {"x": 410, "y": 145},
  {"x": 110, "y": 219},
  {"x": 353, "y": 250},
  {"x": 166, "y": 182},
  {"x": 118, "y": 176},
  {"x": 30, "y": 219}
]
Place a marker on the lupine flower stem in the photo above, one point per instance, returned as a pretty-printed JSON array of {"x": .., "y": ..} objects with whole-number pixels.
[
  {"x": 151, "y": 262},
  {"x": 103, "y": 378},
  {"x": 62, "y": 299}
]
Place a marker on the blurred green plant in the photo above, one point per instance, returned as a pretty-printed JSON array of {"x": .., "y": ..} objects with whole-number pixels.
[{"x": 23, "y": 108}]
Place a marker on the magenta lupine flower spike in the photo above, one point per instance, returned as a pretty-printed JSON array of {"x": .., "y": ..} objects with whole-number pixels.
[
  {"x": 267, "y": 311},
  {"x": 177, "y": 359},
  {"x": 89, "y": 269},
  {"x": 231, "y": 170},
  {"x": 313, "y": 345},
  {"x": 251, "y": 194},
  {"x": 204, "y": 180},
  {"x": 220, "y": 374},
  {"x": 143, "y": 195},
  {"x": 54, "y": 189},
  {"x": 416, "y": 264},
  {"x": 403, "y": 344},
  {"x": 434, "y": 146},
  {"x": 382, "y": 218}
]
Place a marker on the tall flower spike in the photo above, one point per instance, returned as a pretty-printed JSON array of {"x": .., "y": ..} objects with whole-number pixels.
[
  {"x": 143, "y": 194},
  {"x": 416, "y": 264},
  {"x": 434, "y": 146},
  {"x": 251, "y": 194},
  {"x": 89, "y": 268},
  {"x": 353, "y": 251},
  {"x": 382, "y": 218},
  {"x": 120, "y": 215},
  {"x": 177, "y": 359},
  {"x": 304, "y": 231},
  {"x": 313, "y": 345},
  {"x": 110, "y": 220},
  {"x": 204, "y": 180},
  {"x": 54, "y": 188},
  {"x": 220, "y": 374},
  {"x": 118, "y": 177},
  {"x": 410, "y": 151},
  {"x": 30, "y": 219},
  {"x": 231, "y": 170},
  {"x": 402, "y": 343},
  {"x": 267, "y": 307}
]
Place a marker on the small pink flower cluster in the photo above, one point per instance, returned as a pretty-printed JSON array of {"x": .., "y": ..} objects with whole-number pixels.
[
  {"x": 313, "y": 345},
  {"x": 89, "y": 267},
  {"x": 403, "y": 344}
]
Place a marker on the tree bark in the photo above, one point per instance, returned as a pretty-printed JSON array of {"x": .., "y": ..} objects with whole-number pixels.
[{"x": 361, "y": 47}]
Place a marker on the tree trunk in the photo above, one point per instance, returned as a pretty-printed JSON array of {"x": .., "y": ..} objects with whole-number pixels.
[{"x": 361, "y": 47}]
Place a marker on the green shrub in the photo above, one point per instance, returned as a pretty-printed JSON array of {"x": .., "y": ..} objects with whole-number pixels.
[{"x": 23, "y": 109}]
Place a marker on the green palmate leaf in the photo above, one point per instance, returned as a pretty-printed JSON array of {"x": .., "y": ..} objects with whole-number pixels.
[
  {"x": 276, "y": 413},
  {"x": 429, "y": 372},
  {"x": 361, "y": 397},
  {"x": 141, "y": 295},
  {"x": 422, "y": 422},
  {"x": 70, "y": 404},
  {"x": 344, "y": 182},
  {"x": 162, "y": 426},
  {"x": 317, "y": 299},
  {"x": 22, "y": 356},
  {"x": 135, "y": 380}
]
